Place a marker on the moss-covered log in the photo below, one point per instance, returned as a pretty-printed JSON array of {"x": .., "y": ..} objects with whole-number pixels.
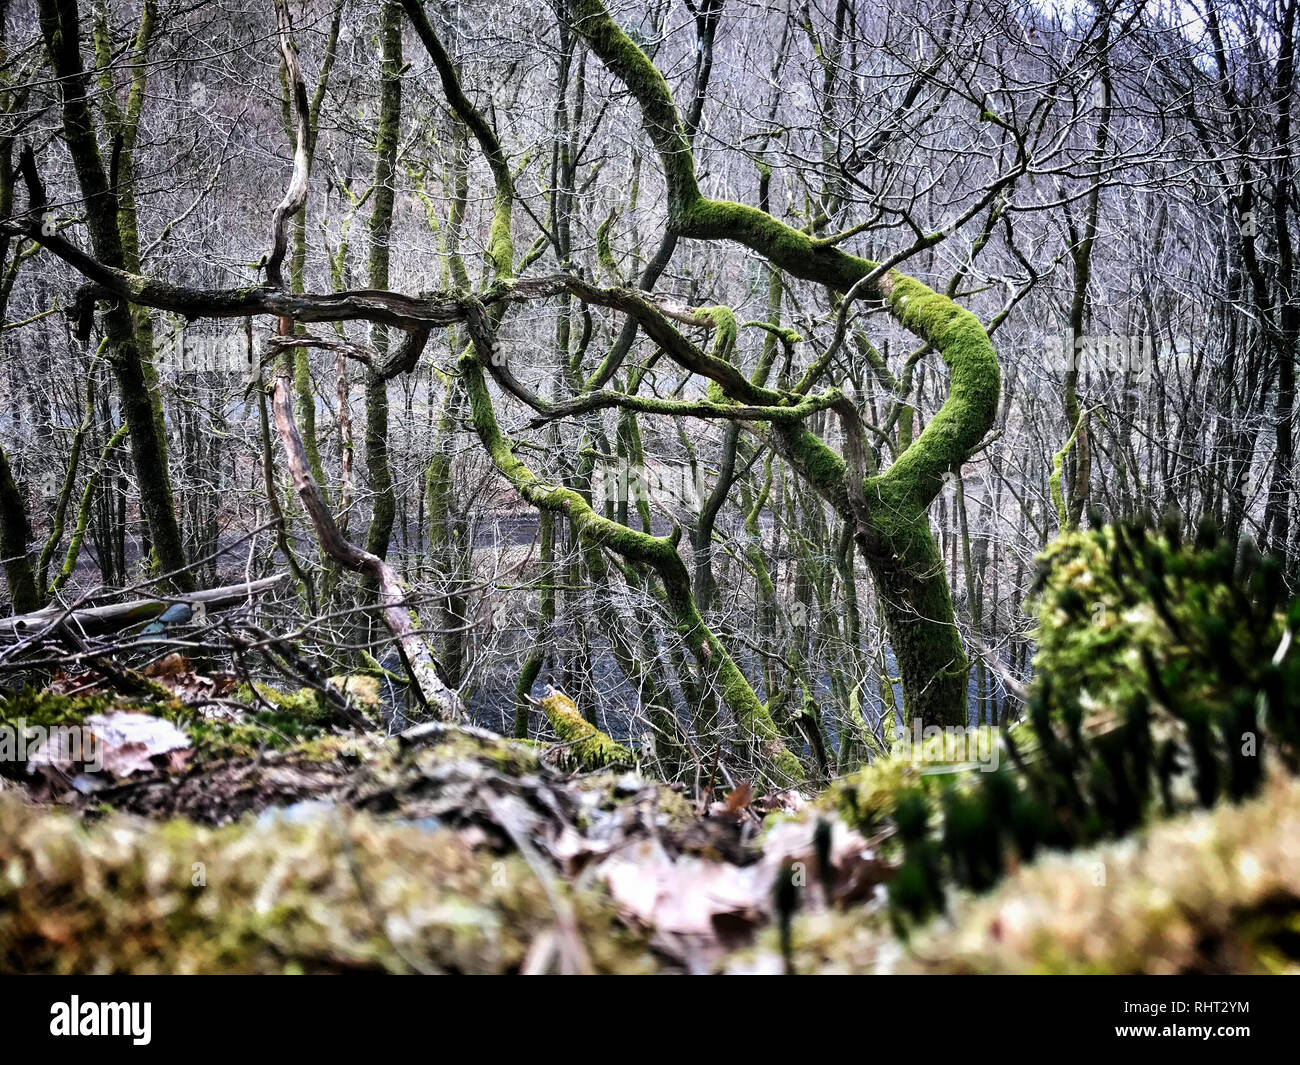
[
  {"x": 329, "y": 892},
  {"x": 585, "y": 746}
]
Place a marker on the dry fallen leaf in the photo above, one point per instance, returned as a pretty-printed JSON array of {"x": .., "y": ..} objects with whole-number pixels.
[
  {"x": 130, "y": 743},
  {"x": 686, "y": 896},
  {"x": 173, "y": 665},
  {"x": 176, "y": 673},
  {"x": 740, "y": 798}
]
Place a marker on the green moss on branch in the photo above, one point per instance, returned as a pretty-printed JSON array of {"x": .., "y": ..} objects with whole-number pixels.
[
  {"x": 658, "y": 553},
  {"x": 587, "y": 747}
]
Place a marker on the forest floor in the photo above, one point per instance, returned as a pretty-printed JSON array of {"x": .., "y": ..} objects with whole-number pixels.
[{"x": 262, "y": 836}]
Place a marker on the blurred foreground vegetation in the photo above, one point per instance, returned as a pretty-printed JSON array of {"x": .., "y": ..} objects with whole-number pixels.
[{"x": 1143, "y": 817}]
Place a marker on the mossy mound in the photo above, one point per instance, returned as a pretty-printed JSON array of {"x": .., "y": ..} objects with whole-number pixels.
[
  {"x": 307, "y": 890},
  {"x": 929, "y": 764},
  {"x": 1209, "y": 892},
  {"x": 271, "y": 720},
  {"x": 364, "y": 854},
  {"x": 362, "y": 689},
  {"x": 46, "y": 709},
  {"x": 1166, "y": 678},
  {"x": 449, "y": 774},
  {"x": 434, "y": 772},
  {"x": 217, "y": 791},
  {"x": 1127, "y": 613},
  {"x": 1214, "y": 891}
]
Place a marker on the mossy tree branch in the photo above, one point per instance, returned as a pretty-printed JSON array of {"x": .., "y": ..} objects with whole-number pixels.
[
  {"x": 384, "y": 507},
  {"x": 894, "y": 532},
  {"x": 657, "y": 553}
]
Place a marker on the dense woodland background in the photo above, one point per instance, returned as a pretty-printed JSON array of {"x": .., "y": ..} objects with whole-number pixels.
[{"x": 1108, "y": 187}]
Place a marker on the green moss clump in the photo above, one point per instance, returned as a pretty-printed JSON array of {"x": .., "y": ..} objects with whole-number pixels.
[
  {"x": 604, "y": 252},
  {"x": 1115, "y": 600},
  {"x": 866, "y": 798},
  {"x": 510, "y": 756},
  {"x": 306, "y": 704},
  {"x": 46, "y": 709},
  {"x": 315, "y": 890},
  {"x": 292, "y": 718},
  {"x": 610, "y": 790},
  {"x": 586, "y": 747},
  {"x": 259, "y": 731},
  {"x": 1166, "y": 678},
  {"x": 1206, "y": 892},
  {"x": 328, "y": 749},
  {"x": 362, "y": 688}
]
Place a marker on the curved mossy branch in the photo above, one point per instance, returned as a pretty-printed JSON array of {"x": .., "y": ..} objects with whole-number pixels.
[
  {"x": 726, "y": 330},
  {"x": 960, "y": 424},
  {"x": 892, "y": 525},
  {"x": 707, "y": 17},
  {"x": 676, "y": 407},
  {"x": 732, "y": 391},
  {"x": 659, "y": 554},
  {"x": 732, "y": 394},
  {"x": 656, "y": 321}
]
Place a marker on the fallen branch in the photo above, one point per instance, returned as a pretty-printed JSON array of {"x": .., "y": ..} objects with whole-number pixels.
[
  {"x": 113, "y": 616},
  {"x": 392, "y": 596},
  {"x": 416, "y": 655}
]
